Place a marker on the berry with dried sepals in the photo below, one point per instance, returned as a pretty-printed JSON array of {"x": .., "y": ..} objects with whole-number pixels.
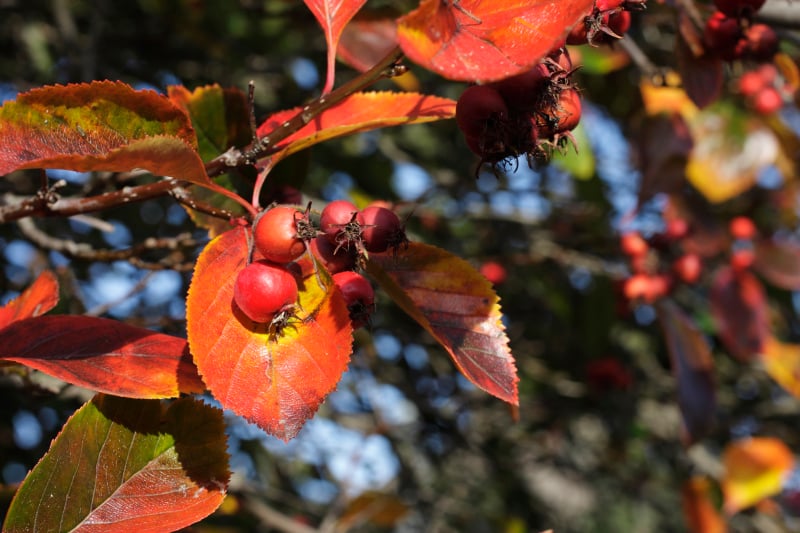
[
  {"x": 281, "y": 232},
  {"x": 358, "y": 295},
  {"x": 381, "y": 229},
  {"x": 338, "y": 222}
]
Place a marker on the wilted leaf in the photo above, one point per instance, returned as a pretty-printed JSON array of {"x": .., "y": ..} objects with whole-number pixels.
[
  {"x": 701, "y": 514},
  {"x": 473, "y": 40},
  {"x": 455, "y": 304},
  {"x": 101, "y": 125},
  {"x": 127, "y": 465},
  {"x": 220, "y": 119},
  {"x": 779, "y": 263},
  {"x": 103, "y": 355},
  {"x": 782, "y": 363},
  {"x": 693, "y": 369},
  {"x": 333, "y": 15},
  {"x": 755, "y": 469},
  {"x": 739, "y": 308},
  {"x": 275, "y": 381},
  {"x": 36, "y": 300},
  {"x": 702, "y": 76},
  {"x": 360, "y": 112}
]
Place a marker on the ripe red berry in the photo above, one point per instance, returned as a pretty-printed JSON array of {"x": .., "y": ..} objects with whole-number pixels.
[
  {"x": 738, "y": 8},
  {"x": 358, "y": 295},
  {"x": 742, "y": 259},
  {"x": 381, "y": 229},
  {"x": 742, "y": 227},
  {"x": 494, "y": 272},
  {"x": 521, "y": 92},
  {"x": 677, "y": 228},
  {"x": 647, "y": 287},
  {"x": 276, "y": 234},
  {"x": 337, "y": 222},
  {"x": 633, "y": 244},
  {"x": 750, "y": 83},
  {"x": 760, "y": 42},
  {"x": 481, "y": 114},
  {"x": 688, "y": 268},
  {"x": 562, "y": 116},
  {"x": 723, "y": 36},
  {"x": 263, "y": 289},
  {"x": 767, "y": 101},
  {"x": 332, "y": 259}
]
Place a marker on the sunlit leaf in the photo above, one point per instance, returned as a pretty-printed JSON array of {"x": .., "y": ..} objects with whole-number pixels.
[
  {"x": 702, "y": 516},
  {"x": 693, "y": 369},
  {"x": 739, "y": 307},
  {"x": 103, "y": 355},
  {"x": 455, "y": 304},
  {"x": 472, "y": 40},
  {"x": 333, "y": 15},
  {"x": 127, "y": 465},
  {"x": 101, "y": 125},
  {"x": 220, "y": 119},
  {"x": 666, "y": 99},
  {"x": 782, "y": 362},
  {"x": 779, "y": 263},
  {"x": 360, "y": 112},
  {"x": 275, "y": 381},
  {"x": 755, "y": 469},
  {"x": 36, "y": 300}
]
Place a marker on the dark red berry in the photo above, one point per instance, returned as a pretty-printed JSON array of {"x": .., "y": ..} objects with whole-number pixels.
[
  {"x": 738, "y": 8},
  {"x": 332, "y": 259},
  {"x": 761, "y": 42},
  {"x": 381, "y": 229},
  {"x": 358, "y": 295},
  {"x": 263, "y": 289},
  {"x": 276, "y": 235},
  {"x": 481, "y": 114},
  {"x": 723, "y": 36},
  {"x": 520, "y": 92},
  {"x": 337, "y": 222}
]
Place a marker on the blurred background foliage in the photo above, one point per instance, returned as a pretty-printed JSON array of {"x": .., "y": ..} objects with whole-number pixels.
[{"x": 405, "y": 443}]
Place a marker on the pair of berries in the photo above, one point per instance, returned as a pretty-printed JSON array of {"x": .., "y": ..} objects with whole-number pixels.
[
  {"x": 730, "y": 34},
  {"x": 520, "y": 114},
  {"x": 374, "y": 229},
  {"x": 764, "y": 89},
  {"x": 266, "y": 290}
]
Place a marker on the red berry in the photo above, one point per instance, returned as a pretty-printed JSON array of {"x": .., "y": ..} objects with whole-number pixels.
[
  {"x": 722, "y": 35},
  {"x": 742, "y": 228},
  {"x": 688, "y": 268},
  {"x": 263, "y": 289},
  {"x": 676, "y": 229},
  {"x": 276, "y": 234},
  {"x": 481, "y": 114},
  {"x": 767, "y": 101},
  {"x": 750, "y": 83},
  {"x": 633, "y": 244},
  {"x": 742, "y": 259},
  {"x": 358, "y": 295},
  {"x": 521, "y": 92},
  {"x": 737, "y": 8},
  {"x": 494, "y": 272},
  {"x": 761, "y": 42},
  {"x": 337, "y": 222},
  {"x": 647, "y": 287},
  {"x": 332, "y": 259},
  {"x": 381, "y": 229}
]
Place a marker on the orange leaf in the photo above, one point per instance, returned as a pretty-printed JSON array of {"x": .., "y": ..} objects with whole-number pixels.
[
  {"x": 276, "y": 382},
  {"x": 99, "y": 126},
  {"x": 359, "y": 112},
  {"x": 782, "y": 363},
  {"x": 103, "y": 355},
  {"x": 693, "y": 369},
  {"x": 455, "y": 304},
  {"x": 739, "y": 308},
  {"x": 701, "y": 514},
  {"x": 36, "y": 300},
  {"x": 755, "y": 469},
  {"x": 127, "y": 465},
  {"x": 333, "y": 15},
  {"x": 473, "y": 40}
]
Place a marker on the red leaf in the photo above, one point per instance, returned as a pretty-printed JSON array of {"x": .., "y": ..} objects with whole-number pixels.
[
  {"x": 127, "y": 465},
  {"x": 333, "y": 15},
  {"x": 693, "y": 369},
  {"x": 364, "y": 42},
  {"x": 698, "y": 507},
  {"x": 739, "y": 308},
  {"x": 779, "y": 263},
  {"x": 702, "y": 76},
  {"x": 36, "y": 300},
  {"x": 357, "y": 113},
  {"x": 455, "y": 304},
  {"x": 103, "y": 355},
  {"x": 277, "y": 382},
  {"x": 473, "y": 40},
  {"x": 99, "y": 126}
]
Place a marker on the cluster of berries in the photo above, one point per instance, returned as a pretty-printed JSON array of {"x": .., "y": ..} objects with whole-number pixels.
[
  {"x": 266, "y": 290},
  {"x": 764, "y": 89},
  {"x": 607, "y": 21},
  {"x": 730, "y": 33},
  {"x": 649, "y": 282},
  {"x": 524, "y": 114}
]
